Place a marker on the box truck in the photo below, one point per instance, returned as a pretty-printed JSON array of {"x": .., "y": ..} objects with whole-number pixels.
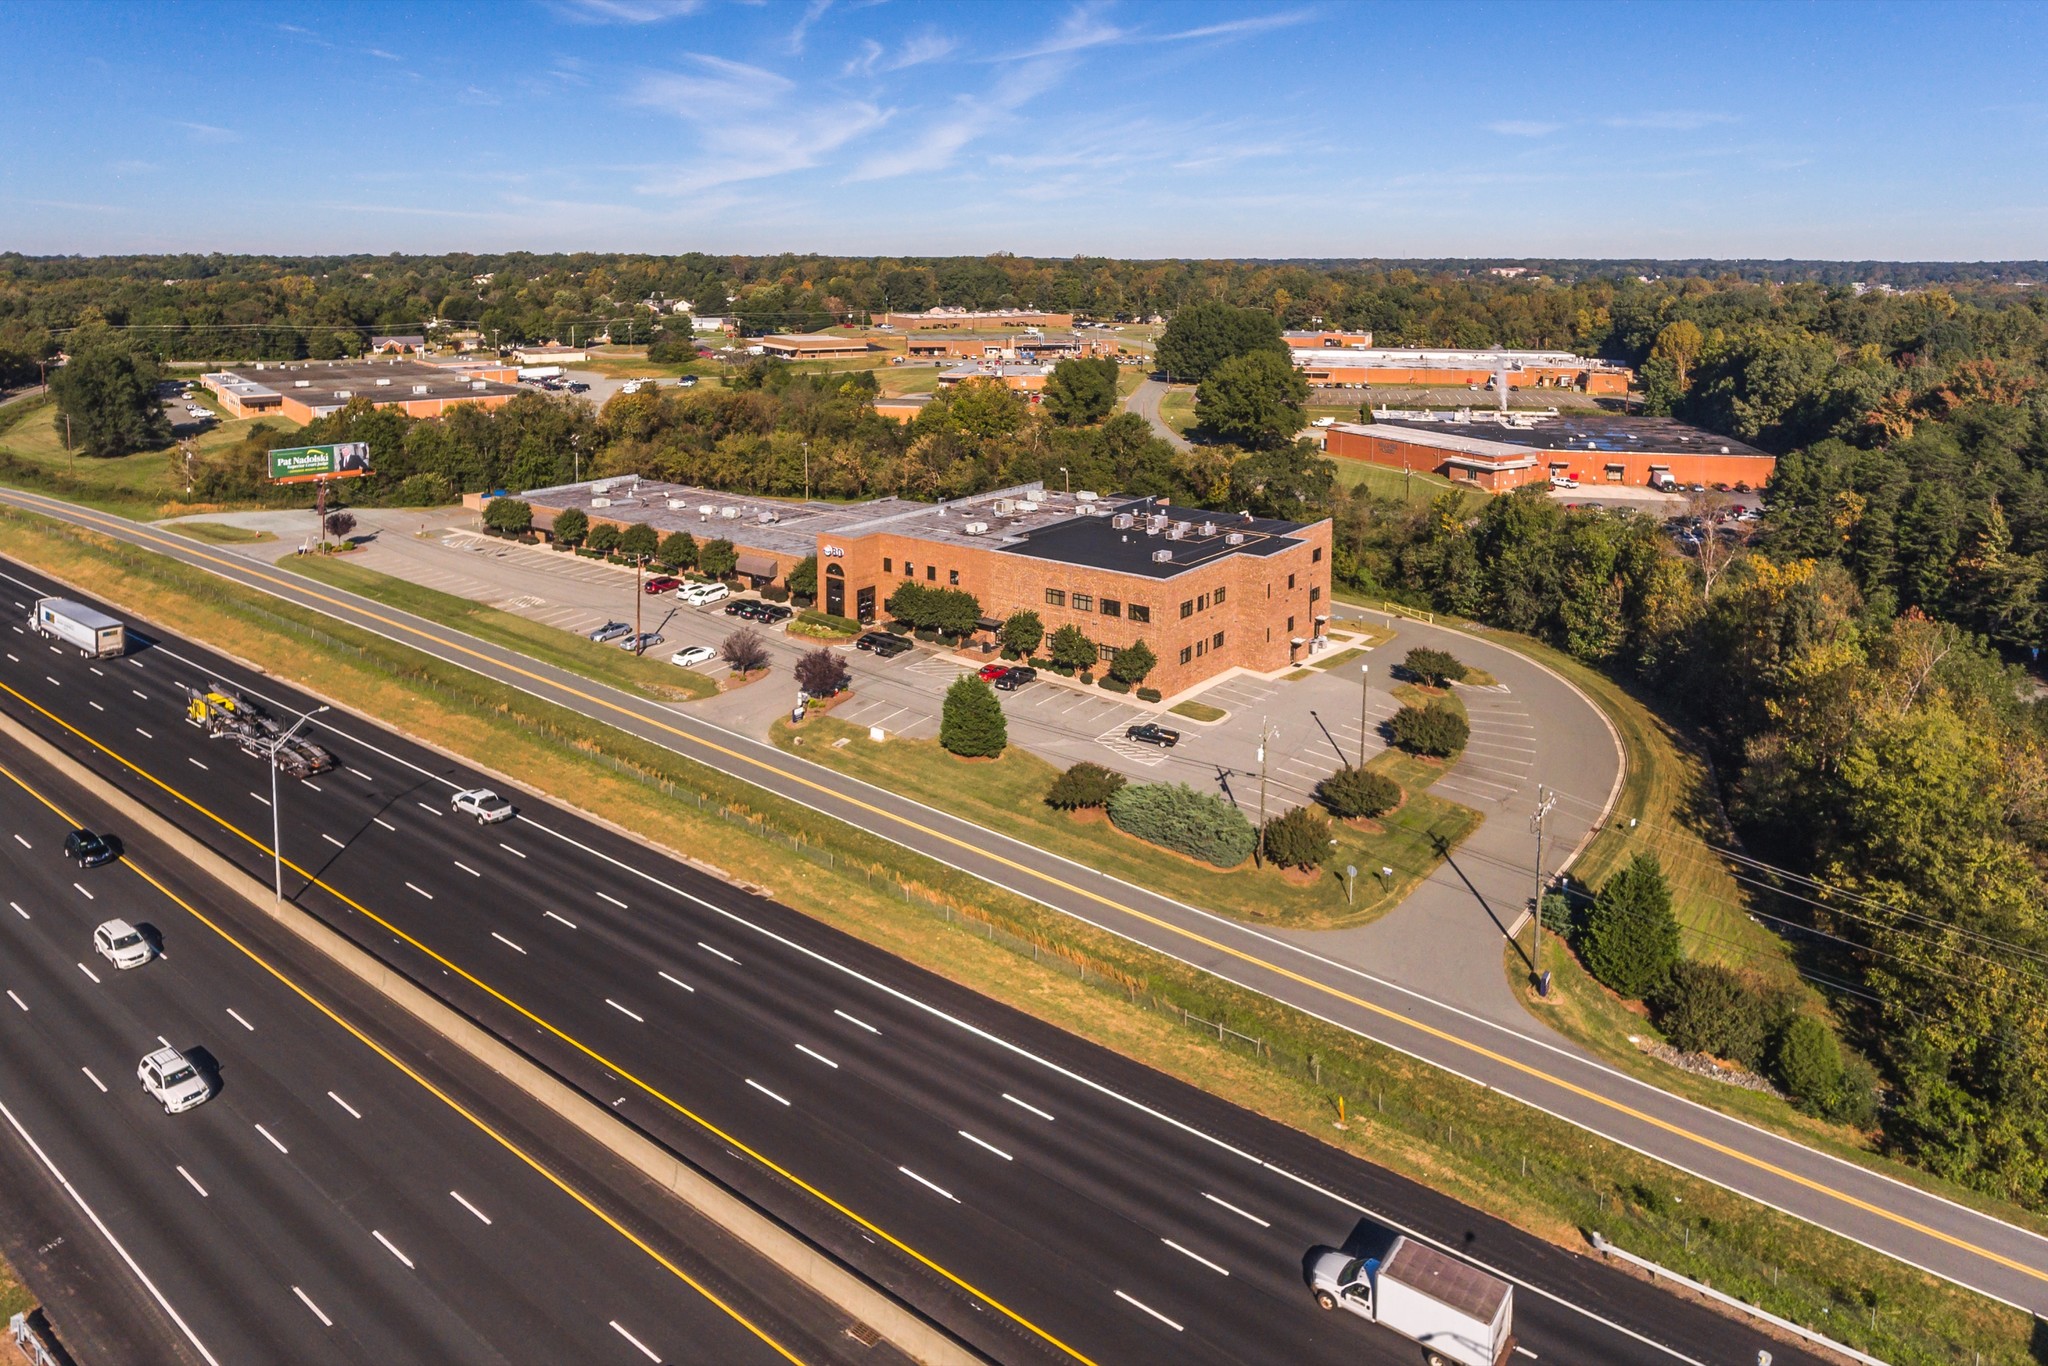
[
  {"x": 1456, "y": 1311},
  {"x": 94, "y": 633}
]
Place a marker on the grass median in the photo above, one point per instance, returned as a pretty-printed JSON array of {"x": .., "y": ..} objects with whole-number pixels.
[
  {"x": 1494, "y": 1153},
  {"x": 142, "y": 486}
]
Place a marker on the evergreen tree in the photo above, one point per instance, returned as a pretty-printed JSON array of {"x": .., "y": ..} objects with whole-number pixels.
[
  {"x": 971, "y": 721},
  {"x": 1630, "y": 937}
]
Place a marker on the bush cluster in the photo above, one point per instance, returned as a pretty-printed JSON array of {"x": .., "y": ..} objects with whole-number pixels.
[
  {"x": 1434, "y": 667},
  {"x": 1084, "y": 785},
  {"x": 1298, "y": 839},
  {"x": 1439, "y": 730},
  {"x": 1358, "y": 792},
  {"x": 1179, "y": 818},
  {"x": 935, "y": 609}
]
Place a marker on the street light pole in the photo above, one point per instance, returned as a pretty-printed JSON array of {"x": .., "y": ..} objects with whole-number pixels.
[
  {"x": 1545, "y": 799},
  {"x": 1364, "y": 693},
  {"x": 1267, "y": 734},
  {"x": 1070, "y": 481},
  {"x": 639, "y": 592},
  {"x": 276, "y": 819}
]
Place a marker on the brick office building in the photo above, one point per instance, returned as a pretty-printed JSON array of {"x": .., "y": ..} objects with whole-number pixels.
[
  {"x": 1348, "y": 366},
  {"x": 305, "y": 390},
  {"x": 1505, "y": 451}
]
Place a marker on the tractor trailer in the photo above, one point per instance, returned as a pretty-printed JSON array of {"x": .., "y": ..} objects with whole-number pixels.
[
  {"x": 1460, "y": 1315},
  {"x": 93, "y": 633}
]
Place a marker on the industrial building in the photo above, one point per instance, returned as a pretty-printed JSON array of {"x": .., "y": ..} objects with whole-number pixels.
[
  {"x": 957, "y": 318},
  {"x": 305, "y": 390},
  {"x": 1327, "y": 341},
  {"x": 550, "y": 353},
  {"x": 1028, "y": 379},
  {"x": 1499, "y": 451},
  {"x": 1017, "y": 346},
  {"x": 1351, "y": 367},
  {"x": 812, "y": 346},
  {"x": 1207, "y": 592}
]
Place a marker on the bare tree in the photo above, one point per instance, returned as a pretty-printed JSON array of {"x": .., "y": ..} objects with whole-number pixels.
[
  {"x": 744, "y": 651},
  {"x": 1719, "y": 542}
]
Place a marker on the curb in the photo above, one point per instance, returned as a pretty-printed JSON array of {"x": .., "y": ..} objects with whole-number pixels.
[{"x": 812, "y": 1267}]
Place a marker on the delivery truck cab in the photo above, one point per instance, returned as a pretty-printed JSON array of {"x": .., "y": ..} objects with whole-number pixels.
[
  {"x": 94, "y": 634},
  {"x": 1459, "y": 1314}
]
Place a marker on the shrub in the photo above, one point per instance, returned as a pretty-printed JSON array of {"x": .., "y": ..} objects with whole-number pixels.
[
  {"x": 1148, "y": 694},
  {"x": 1707, "y": 1008},
  {"x": 340, "y": 524},
  {"x": 1434, "y": 667},
  {"x": 899, "y": 628},
  {"x": 1133, "y": 662},
  {"x": 1083, "y": 785},
  {"x": 821, "y": 673},
  {"x": 508, "y": 515},
  {"x": 1069, "y": 646},
  {"x": 1807, "y": 1062},
  {"x": 678, "y": 552},
  {"x": 603, "y": 539},
  {"x": 1630, "y": 938},
  {"x": 423, "y": 491},
  {"x": 927, "y": 636},
  {"x": 1114, "y": 684},
  {"x": 1355, "y": 792},
  {"x": 718, "y": 558},
  {"x": 1438, "y": 729},
  {"x": 802, "y": 578},
  {"x": 639, "y": 542},
  {"x": 1177, "y": 817},
  {"x": 1021, "y": 633},
  {"x": 773, "y": 594},
  {"x": 744, "y": 651},
  {"x": 1087, "y": 676},
  {"x": 971, "y": 722},
  {"x": 571, "y": 524},
  {"x": 1298, "y": 839},
  {"x": 826, "y": 619}
]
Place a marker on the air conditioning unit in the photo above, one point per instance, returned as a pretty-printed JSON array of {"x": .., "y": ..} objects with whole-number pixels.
[
  {"x": 1005, "y": 506},
  {"x": 1085, "y": 496},
  {"x": 479, "y": 384},
  {"x": 1234, "y": 538},
  {"x": 344, "y": 393},
  {"x": 729, "y": 513},
  {"x": 1123, "y": 521},
  {"x": 1162, "y": 556},
  {"x": 422, "y": 388},
  {"x": 1174, "y": 533},
  {"x": 976, "y": 528},
  {"x": 383, "y": 384},
  {"x": 1208, "y": 528},
  {"x": 1026, "y": 505},
  {"x": 1181, "y": 529},
  {"x": 302, "y": 384},
  {"x": 600, "y": 502},
  {"x": 764, "y": 518},
  {"x": 705, "y": 509},
  {"x": 678, "y": 504}
]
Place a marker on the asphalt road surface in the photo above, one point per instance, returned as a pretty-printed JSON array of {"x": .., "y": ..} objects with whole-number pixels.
[
  {"x": 335, "y": 1200},
  {"x": 1041, "y": 1197}
]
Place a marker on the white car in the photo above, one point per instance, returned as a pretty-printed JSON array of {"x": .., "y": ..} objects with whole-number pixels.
[
  {"x": 694, "y": 655},
  {"x": 487, "y": 806},
  {"x": 703, "y": 594},
  {"x": 121, "y": 944},
  {"x": 170, "y": 1076},
  {"x": 1324, "y": 422}
]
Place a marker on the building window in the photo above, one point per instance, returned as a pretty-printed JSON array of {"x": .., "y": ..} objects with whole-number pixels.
[
  {"x": 1187, "y": 609},
  {"x": 1216, "y": 641},
  {"x": 887, "y": 566},
  {"x": 1139, "y": 613},
  {"x": 1084, "y": 602},
  {"x": 1055, "y": 597},
  {"x": 909, "y": 570},
  {"x": 1315, "y": 595},
  {"x": 1290, "y": 580},
  {"x": 1202, "y": 603},
  {"x": 931, "y": 573},
  {"x": 1105, "y": 653},
  {"x": 1112, "y": 608},
  {"x": 1316, "y": 557},
  {"x": 1187, "y": 653},
  {"x": 1201, "y": 648},
  {"x": 1219, "y": 597},
  {"x": 1290, "y": 626},
  {"x": 953, "y": 577}
]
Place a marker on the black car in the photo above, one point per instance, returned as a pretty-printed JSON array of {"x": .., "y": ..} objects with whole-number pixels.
[
  {"x": 882, "y": 643},
  {"x": 1149, "y": 734},
  {"x": 1015, "y": 677},
  {"x": 771, "y": 612},
  {"x": 88, "y": 850}
]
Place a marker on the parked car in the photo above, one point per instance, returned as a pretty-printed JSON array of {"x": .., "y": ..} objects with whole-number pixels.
[
  {"x": 121, "y": 944},
  {"x": 661, "y": 583},
  {"x": 88, "y": 850},
  {"x": 170, "y": 1076},
  {"x": 1016, "y": 677},
  {"x": 771, "y": 612},
  {"x": 703, "y": 594},
  {"x": 611, "y": 631},
  {"x": 741, "y": 607},
  {"x": 692, "y": 655},
  {"x": 1146, "y": 733},
  {"x": 991, "y": 672},
  {"x": 487, "y": 806},
  {"x": 882, "y": 643},
  {"x": 643, "y": 642},
  {"x": 1324, "y": 422}
]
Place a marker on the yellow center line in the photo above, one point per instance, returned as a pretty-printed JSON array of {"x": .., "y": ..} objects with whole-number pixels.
[
  {"x": 429, "y": 1087},
  {"x": 599, "y": 1058},
  {"x": 1526, "y": 1069}
]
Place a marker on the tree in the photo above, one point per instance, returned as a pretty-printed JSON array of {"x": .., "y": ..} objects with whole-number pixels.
[
  {"x": 744, "y": 651},
  {"x": 1808, "y": 1061},
  {"x": 1293, "y": 482},
  {"x": 571, "y": 526},
  {"x": 1679, "y": 343},
  {"x": 1630, "y": 938},
  {"x": 986, "y": 408},
  {"x": 639, "y": 542},
  {"x": 1202, "y": 336},
  {"x": 1439, "y": 729},
  {"x": 1080, "y": 392},
  {"x": 1299, "y": 838},
  {"x": 508, "y": 516},
  {"x": 1072, "y": 649},
  {"x": 821, "y": 673},
  {"x": 971, "y": 721},
  {"x": 1355, "y": 793},
  {"x": 603, "y": 538},
  {"x": 678, "y": 552},
  {"x": 1175, "y": 816},
  {"x": 954, "y": 611},
  {"x": 340, "y": 524},
  {"x": 107, "y": 402},
  {"x": 1259, "y": 400},
  {"x": 718, "y": 558},
  {"x": 1132, "y": 663},
  {"x": 802, "y": 579},
  {"x": 1021, "y": 633},
  {"x": 1083, "y": 785},
  {"x": 1434, "y": 668},
  {"x": 1707, "y": 1008},
  {"x": 906, "y": 603}
]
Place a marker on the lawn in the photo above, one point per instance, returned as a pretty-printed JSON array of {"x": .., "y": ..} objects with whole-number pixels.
[
  {"x": 648, "y": 675},
  {"x": 220, "y": 533},
  {"x": 1198, "y": 711},
  {"x": 1416, "y": 486},
  {"x": 1177, "y": 409},
  {"x": 144, "y": 486},
  {"x": 1006, "y": 794}
]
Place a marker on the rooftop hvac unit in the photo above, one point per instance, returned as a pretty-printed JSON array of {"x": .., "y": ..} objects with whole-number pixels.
[
  {"x": 705, "y": 510},
  {"x": 344, "y": 393},
  {"x": 422, "y": 388},
  {"x": 1027, "y": 506},
  {"x": 1181, "y": 529},
  {"x": 729, "y": 513},
  {"x": 764, "y": 518},
  {"x": 600, "y": 502},
  {"x": 1123, "y": 521},
  {"x": 1162, "y": 557},
  {"x": 1208, "y": 528},
  {"x": 1234, "y": 538},
  {"x": 678, "y": 504},
  {"x": 302, "y": 384},
  {"x": 1005, "y": 506},
  {"x": 1085, "y": 496},
  {"x": 383, "y": 384},
  {"x": 479, "y": 384},
  {"x": 976, "y": 528}
]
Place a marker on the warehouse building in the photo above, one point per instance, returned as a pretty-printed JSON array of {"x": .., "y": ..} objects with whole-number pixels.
[
  {"x": 1021, "y": 346},
  {"x": 1500, "y": 451},
  {"x": 1207, "y": 592},
  {"x": 1027, "y": 379},
  {"x": 1351, "y": 367},
  {"x": 1327, "y": 341},
  {"x": 812, "y": 346},
  {"x": 957, "y": 318},
  {"x": 305, "y": 390}
]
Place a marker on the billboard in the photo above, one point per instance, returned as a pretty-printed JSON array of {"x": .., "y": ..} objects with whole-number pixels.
[{"x": 300, "y": 464}]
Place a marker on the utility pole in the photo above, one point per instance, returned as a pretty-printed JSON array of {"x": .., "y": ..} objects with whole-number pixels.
[
  {"x": 1364, "y": 694},
  {"x": 807, "y": 471},
  {"x": 1545, "y": 799},
  {"x": 639, "y": 563},
  {"x": 1267, "y": 734}
]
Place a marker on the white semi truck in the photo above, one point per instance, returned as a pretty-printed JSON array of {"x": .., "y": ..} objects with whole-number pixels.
[
  {"x": 93, "y": 633},
  {"x": 1460, "y": 1315}
]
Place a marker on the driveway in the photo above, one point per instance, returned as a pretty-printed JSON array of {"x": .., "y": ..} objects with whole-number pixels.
[{"x": 1144, "y": 401}]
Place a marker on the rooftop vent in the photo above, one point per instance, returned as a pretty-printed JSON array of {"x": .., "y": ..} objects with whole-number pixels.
[
  {"x": 1123, "y": 521},
  {"x": 1208, "y": 528},
  {"x": 1162, "y": 557},
  {"x": 729, "y": 513},
  {"x": 600, "y": 502},
  {"x": 976, "y": 528},
  {"x": 1234, "y": 538},
  {"x": 1085, "y": 496}
]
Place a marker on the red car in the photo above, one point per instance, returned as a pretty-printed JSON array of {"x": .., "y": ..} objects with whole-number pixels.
[
  {"x": 661, "y": 583},
  {"x": 991, "y": 672}
]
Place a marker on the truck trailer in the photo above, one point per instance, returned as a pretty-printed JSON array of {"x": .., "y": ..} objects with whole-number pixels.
[
  {"x": 1460, "y": 1315},
  {"x": 93, "y": 633},
  {"x": 223, "y": 713}
]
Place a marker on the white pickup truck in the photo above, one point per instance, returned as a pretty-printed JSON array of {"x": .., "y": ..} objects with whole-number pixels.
[{"x": 1460, "y": 1315}]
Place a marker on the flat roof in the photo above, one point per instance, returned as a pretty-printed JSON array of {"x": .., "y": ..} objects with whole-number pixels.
[
  {"x": 816, "y": 341},
  {"x": 322, "y": 384},
  {"x": 983, "y": 370},
  {"x": 1204, "y": 538},
  {"x": 1389, "y": 358},
  {"x": 1590, "y": 434}
]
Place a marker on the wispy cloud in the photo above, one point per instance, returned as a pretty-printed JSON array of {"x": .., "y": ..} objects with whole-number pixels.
[
  {"x": 813, "y": 12},
  {"x": 1080, "y": 30},
  {"x": 207, "y": 132},
  {"x": 625, "y": 11},
  {"x": 133, "y": 167},
  {"x": 751, "y": 123},
  {"x": 382, "y": 54},
  {"x": 1523, "y": 128},
  {"x": 1673, "y": 120},
  {"x": 1238, "y": 27},
  {"x": 969, "y": 119},
  {"x": 917, "y": 50}
]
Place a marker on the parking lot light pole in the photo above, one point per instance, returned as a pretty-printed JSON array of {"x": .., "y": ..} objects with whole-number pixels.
[
  {"x": 639, "y": 563},
  {"x": 1364, "y": 693},
  {"x": 276, "y": 820}
]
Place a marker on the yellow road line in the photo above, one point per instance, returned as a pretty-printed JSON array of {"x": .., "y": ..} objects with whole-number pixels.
[
  {"x": 1480, "y": 1050},
  {"x": 567, "y": 1038},
  {"x": 429, "y": 1087}
]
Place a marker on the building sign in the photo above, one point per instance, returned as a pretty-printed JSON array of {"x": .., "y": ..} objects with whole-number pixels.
[{"x": 300, "y": 464}]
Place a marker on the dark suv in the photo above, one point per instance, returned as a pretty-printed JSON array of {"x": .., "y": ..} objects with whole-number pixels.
[
  {"x": 1015, "y": 677},
  {"x": 882, "y": 643},
  {"x": 88, "y": 850}
]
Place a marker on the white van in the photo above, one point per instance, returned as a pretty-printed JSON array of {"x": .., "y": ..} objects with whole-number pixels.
[{"x": 703, "y": 594}]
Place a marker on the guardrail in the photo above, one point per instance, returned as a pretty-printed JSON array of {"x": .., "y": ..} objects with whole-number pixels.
[{"x": 29, "y": 1340}]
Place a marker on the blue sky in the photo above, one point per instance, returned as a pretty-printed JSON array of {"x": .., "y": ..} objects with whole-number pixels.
[{"x": 1124, "y": 129}]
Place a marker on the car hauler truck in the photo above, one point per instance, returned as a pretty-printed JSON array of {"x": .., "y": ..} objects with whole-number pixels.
[
  {"x": 1456, "y": 1311},
  {"x": 223, "y": 713},
  {"x": 94, "y": 633}
]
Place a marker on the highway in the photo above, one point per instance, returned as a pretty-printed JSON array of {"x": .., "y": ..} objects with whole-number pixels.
[
  {"x": 338, "y": 1199},
  {"x": 1039, "y": 1196}
]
